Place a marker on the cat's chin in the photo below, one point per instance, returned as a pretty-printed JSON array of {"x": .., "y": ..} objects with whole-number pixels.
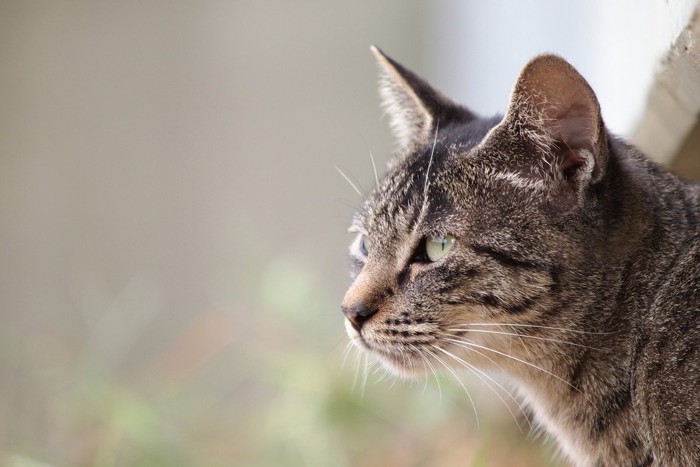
[
  {"x": 397, "y": 365},
  {"x": 399, "y": 368}
]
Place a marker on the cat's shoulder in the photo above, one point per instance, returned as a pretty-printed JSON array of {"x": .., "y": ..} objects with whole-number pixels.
[{"x": 667, "y": 378}]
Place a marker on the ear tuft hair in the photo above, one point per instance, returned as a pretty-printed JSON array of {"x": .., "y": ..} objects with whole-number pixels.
[
  {"x": 414, "y": 107},
  {"x": 554, "y": 108},
  {"x": 554, "y": 131}
]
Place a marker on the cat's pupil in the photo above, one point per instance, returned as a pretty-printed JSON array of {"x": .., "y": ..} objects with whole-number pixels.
[{"x": 438, "y": 246}]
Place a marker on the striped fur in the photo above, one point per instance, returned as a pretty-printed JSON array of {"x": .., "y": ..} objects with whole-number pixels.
[{"x": 576, "y": 268}]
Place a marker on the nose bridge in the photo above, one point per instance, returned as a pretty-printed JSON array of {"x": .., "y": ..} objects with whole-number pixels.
[
  {"x": 368, "y": 288},
  {"x": 363, "y": 298}
]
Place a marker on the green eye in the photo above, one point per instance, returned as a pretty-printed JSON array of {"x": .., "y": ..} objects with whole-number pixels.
[{"x": 439, "y": 246}]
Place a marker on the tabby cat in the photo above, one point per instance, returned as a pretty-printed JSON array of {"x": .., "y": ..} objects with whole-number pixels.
[{"x": 540, "y": 245}]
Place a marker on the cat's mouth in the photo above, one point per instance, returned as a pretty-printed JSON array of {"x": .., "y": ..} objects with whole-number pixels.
[{"x": 403, "y": 360}]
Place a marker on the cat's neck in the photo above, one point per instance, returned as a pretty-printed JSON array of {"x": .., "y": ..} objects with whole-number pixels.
[
  {"x": 645, "y": 225},
  {"x": 589, "y": 410}
]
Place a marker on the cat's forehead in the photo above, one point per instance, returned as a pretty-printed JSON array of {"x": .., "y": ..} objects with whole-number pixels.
[
  {"x": 393, "y": 204},
  {"x": 423, "y": 186},
  {"x": 449, "y": 182}
]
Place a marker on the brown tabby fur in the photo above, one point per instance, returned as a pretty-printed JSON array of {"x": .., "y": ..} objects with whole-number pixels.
[{"x": 576, "y": 267}]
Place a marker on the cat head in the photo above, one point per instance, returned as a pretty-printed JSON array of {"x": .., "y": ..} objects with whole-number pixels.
[{"x": 477, "y": 221}]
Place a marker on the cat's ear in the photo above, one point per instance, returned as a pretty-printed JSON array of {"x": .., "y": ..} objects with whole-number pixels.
[
  {"x": 415, "y": 108},
  {"x": 555, "y": 115}
]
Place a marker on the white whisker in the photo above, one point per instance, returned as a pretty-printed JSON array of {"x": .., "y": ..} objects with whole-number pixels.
[
  {"x": 481, "y": 354},
  {"x": 356, "y": 367},
  {"x": 346, "y": 353},
  {"x": 481, "y": 375},
  {"x": 466, "y": 343},
  {"x": 423, "y": 209},
  {"x": 430, "y": 162},
  {"x": 360, "y": 365},
  {"x": 432, "y": 370},
  {"x": 524, "y": 346},
  {"x": 374, "y": 168},
  {"x": 347, "y": 179},
  {"x": 447, "y": 367},
  {"x": 514, "y": 334},
  {"x": 535, "y": 326}
]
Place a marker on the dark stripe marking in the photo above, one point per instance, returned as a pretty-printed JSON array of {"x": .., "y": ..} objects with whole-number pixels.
[
  {"x": 647, "y": 461},
  {"x": 508, "y": 259},
  {"x": 613, "y": 405},
  {"x": 523, "y": 306}
]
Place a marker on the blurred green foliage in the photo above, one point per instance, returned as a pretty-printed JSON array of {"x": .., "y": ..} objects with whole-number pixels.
[{"x": 260, "y": 384}]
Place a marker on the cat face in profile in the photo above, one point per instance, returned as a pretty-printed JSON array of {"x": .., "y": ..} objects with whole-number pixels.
[
  {"x": 470, "y": 228},
  {"x": 538, "y": 245}
]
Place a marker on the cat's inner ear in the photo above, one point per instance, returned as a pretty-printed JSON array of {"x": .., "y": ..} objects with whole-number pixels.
[
  {"x": 414, "y": 107},
  {"x": 554, "y": 110}
]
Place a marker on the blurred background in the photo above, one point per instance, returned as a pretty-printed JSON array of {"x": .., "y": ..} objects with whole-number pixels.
[{"x": 172, "y": 225}]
